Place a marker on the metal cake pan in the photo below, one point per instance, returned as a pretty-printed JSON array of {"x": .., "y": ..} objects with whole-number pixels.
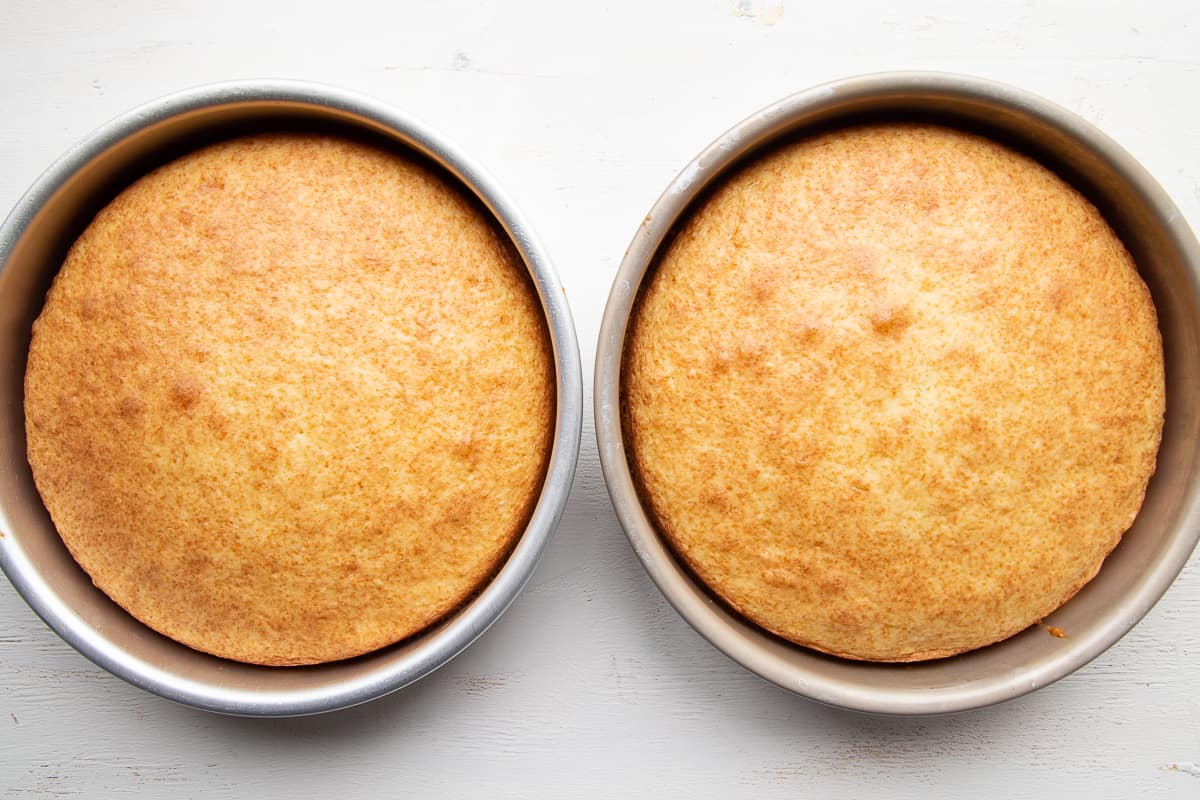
[
  {"x": 1154, "y": 550},
  {"x": 33, "y": 242}
]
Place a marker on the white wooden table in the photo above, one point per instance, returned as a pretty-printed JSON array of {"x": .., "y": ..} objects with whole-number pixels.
[{"x": 591, "y": 685}]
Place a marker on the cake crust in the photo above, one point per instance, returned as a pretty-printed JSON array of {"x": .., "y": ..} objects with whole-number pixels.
[
  {"x": 893, "y": 392},
  {"x": 290, "y": 398}
]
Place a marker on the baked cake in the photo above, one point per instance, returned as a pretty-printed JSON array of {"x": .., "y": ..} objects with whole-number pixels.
[
  {"x": 893, "y": 392},
  {"x": 290, "y": 398}
]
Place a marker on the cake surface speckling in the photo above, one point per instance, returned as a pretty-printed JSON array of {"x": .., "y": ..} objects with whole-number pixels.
[
  {"x": 893, "y": 392},
  {"x": 290, "y": 398}
]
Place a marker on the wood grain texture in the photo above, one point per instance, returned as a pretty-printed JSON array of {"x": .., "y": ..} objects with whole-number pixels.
[{"x": 591, "y": 685}]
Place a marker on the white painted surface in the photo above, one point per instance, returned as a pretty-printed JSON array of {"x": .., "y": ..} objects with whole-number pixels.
[{"x": 590, "y": 685}]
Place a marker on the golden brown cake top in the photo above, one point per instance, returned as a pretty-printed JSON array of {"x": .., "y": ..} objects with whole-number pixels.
[
  {"x": 290, "y": 398},
  {"x": 894, "y": 392}
]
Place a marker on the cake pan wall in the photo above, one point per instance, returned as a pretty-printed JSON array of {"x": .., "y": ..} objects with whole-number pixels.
[
  {"x": 33, "y": 241},
  {"x": 1151, "y": 554}
]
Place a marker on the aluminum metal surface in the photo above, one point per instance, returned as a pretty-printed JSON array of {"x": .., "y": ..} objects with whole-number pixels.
[
  {"x": 1154, "y": 550},
  {"x": 33, "y": 241}
]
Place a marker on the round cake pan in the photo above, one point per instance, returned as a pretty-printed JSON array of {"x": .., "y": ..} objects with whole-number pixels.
[
  {"x": 33, "y": 242},
  {"x": 1154, "y": 550}
]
